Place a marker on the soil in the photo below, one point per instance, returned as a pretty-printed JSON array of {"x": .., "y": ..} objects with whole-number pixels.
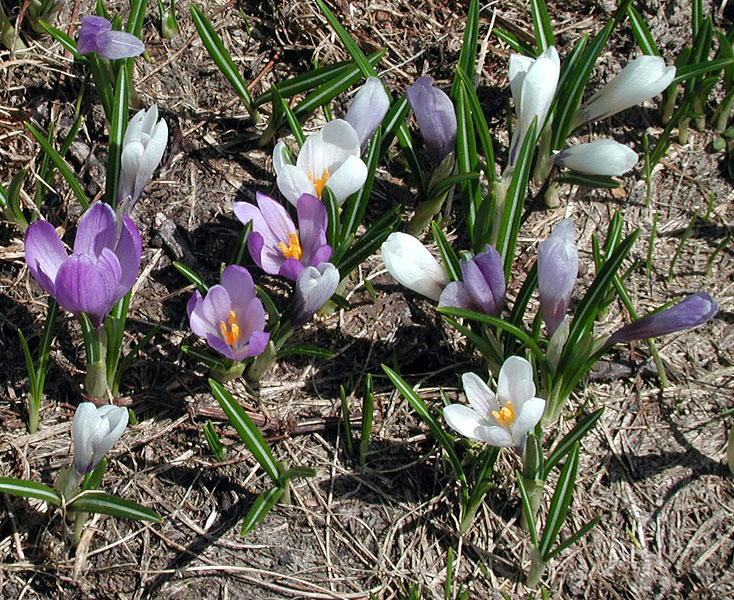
[{"x": 654, "y": 467}]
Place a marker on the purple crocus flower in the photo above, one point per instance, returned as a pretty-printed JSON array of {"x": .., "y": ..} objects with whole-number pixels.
[
  {"x": 275, "y": 244},
  {"x": 100, "y": 271},
  {"x": 690, "y": 312},
  {"x": 230, "y": 317},
  {"x": 483, "y": 286},
  {"x": 436, "y": 117},
  {"x": 96, "y": 35},
  {"x": 314, "y": 287},
  {"x": 558, "y": 267}
]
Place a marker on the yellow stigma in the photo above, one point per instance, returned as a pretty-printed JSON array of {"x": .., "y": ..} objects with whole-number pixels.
[
  {"x": 293, "y": 250},
  {"x": 506, "y": 415},
  {"x": 319, "y": 183},
  {"x": 231, "y": 329}
]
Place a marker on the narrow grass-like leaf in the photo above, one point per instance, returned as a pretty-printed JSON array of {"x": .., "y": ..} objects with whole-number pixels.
[
  {"x": 270, "y": 308},
  {"x": 305, "y": 351},
  {"x": 642, "y": 32},
  {"x": 420, "y": 407},
  {"x": 334, "y": 224},
  {"x": 247, "y": 430},
  {"x": 480, "y": 125},
  {"x": 356, "y": 204},
  {"x": 29, "y": 489},
  {"x": 260, "y": 508},
  {"x": 567, "y": 543},
  {"x": 367, "y": 244},
  {"x": 560, "y": 502},
  {"x": 204, "y": 357},
  {"x": 294, "y": 472},
  {"x": 93, "y": 479},
  {"x": 213, "y": 440},
  {"x": 566, "y": 444},
  {"x": 136, "y": 18},
  {"x": 490, "y": 352},
  {"x": 449, "y": 256},
  {"x": 468, "y": 54},
  {"x": 466, "y": 160},
  {"x": 104, "y": 504},
  {"x": 346, "y": 421},
  {"x": 60, "y": 164},
  {"x": 589, "y": 181},
  {"x": 118, "y": 124},
  {"x": 64, "y": 39},
  {"x": 368, "y": 410},
  {"x": 293, "y": 123},
  {"x": 527, "y": 508},
  {"x": 541, "y": 24},
  {"x": 514, "y": 42},
  {"x": 698, "y": 69},
  {"x": 214, "y": 45},
  {"x": 192, "y": 276}
]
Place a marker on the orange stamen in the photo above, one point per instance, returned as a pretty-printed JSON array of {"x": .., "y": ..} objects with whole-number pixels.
[
  {"x": 506, "y": 415},
  {"x": 319, "y": 183},
  {"x": 293, "y": 250},
  {"x": 231, "y": 329}
]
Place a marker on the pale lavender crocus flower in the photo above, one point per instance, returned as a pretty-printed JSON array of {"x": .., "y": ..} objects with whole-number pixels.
[
  {"x": 275, "y": 244},
  {"x": 314, "y": 287},
  {"x": 436, "y": 117},
  {"x": 230, "y": 317},
  {"x": 100, "y": 271},
  {"x": 96, "y": 430},
  {"x": 369, "y": 107},
  {"x": 96, "y": 35},
  {"x": 482, "y": 288},
  {"x": 558, "y": 267},
  {"x": 690, "y": 312}
]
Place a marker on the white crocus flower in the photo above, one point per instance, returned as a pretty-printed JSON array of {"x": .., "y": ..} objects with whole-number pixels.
[
  {"x": 412, "y": 265},
  {"x": 142, "y": 150},
  {"x": 643, "y": 78},
  {"x": 328, "y": 158},
  {"x": 600, "y": 157},
  {"x": 95, "y": 431},
  {"x": 503, "y": 419},
  {"x": 533, "y": 84}
]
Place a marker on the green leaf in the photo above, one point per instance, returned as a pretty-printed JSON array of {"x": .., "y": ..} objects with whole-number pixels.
[
  {"x": 448, "y": 255},
  {"x": 566, "y": 444},
  {"x": 29, "y": 489},
  {"x": 261, "y": 507},
  {"x": 203, "y": 356},
  {"x": 574, "y": 538},
  {"x": 60, "y": 164},
  {"x": 514, "y": 42},
  {"x": 368, "y": 411},
  {"x": 294, "y": 472},
  {"x": 212, "y": 439},
  {"x": 118, "y": 124},
  {"x": 694, "y": 70},
  {"x": 527, "y": 508},
  {"x": 590, "y": 181},
  {"x": 62, "y": 38},
  {"x": 468, "y": 55},
  {"x": 332, "y": 208},
  {"x": 542, "y": 25},
  {"x": 480, "y": 124},
  {"x": 247, "y": 430},
  {"x": 356, "y": 204},
  {"x": 560, "y": 502},
  {"x": 290, "y": 116},
  {"x": 642, "y": 32},
  {"x": 93, "y": 479},
  {"x": 466, "y": 161},
  {"x": 192, "y": 276},
  {"x": 104, "y": 504},
  {"x": 214, "y": 45},
  {"x": 305, "y": 351}
]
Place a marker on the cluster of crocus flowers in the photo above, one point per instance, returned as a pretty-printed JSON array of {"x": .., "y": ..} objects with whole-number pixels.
[
  {"x": 102, "y": 268},
  {"x": 96, "y": 35},
  {"x": 96, "y": 430},
  {"x": 230, "y": 317},
  {"x": 143, "y": 146},
  {"x": 436, "y": 118},
  {"x": 279, "y": 247},
  {"x": 500, "y": 419}
]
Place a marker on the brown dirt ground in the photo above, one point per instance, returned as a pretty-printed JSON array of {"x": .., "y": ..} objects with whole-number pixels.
[{"x": 654, "y": 467}]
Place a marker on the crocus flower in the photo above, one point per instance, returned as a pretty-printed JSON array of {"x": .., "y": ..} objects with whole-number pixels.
[
  {"x": 275, "y": 244},
  {"x": 600, "y": 157},
  {"x": 436, "y": 117},
  {"x": 314, "y": 287},
  {"x": 690, "y": 312},
  {"x": 483, "y": 286},
  {"x": 230, "y": 317},
  {"x": 96, "y": 430},
  {"x": 96, "y": 35},
  {"x": 412, "y": 265},
  {"x": 100, "y": 271},
  {"x": 369, "y": 107},
  {"x": 533, "y": 85},
  {"x": 501, "y": 419},
  {"x": 328, "y": 158},
  {"x": 142, "y": 149},
  {"x": 643, "y": 78},
  {"x": 558, "y": 267}
]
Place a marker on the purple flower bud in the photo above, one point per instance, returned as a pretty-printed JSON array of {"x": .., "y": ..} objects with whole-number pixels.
[
  {"x": 369, "y": 107},
  {"x": 100, "y": 271},
  {"x": 314, "y": 287},
  {"x": 690, "y": 312},
  {"x": 96, "y": 35},
  {"x": 558, "y": 267},
  {"x": 436, "y": 117},
  {"x": 483, "y": 287}
]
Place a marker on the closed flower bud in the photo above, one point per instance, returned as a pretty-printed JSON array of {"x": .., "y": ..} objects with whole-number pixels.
[
  {"x": 482, "y": 288},
  {"x": 95, "y": 431},
  {"x": 558, "y": 267},
  {"x": 600, "y": 157},
  {"x": 96, "y": 35},
  {"x": 412, "y": 265},
  {"x": 436, "y": 117},
  {"x": 314, "y": 287},
  {"x": 369, "y": 107}
]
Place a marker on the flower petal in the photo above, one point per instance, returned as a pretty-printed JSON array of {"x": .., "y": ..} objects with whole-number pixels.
[
  {"x": 293, "y": 183},
  {"x": 216, "y": 305},
  {"x": 44, "y": 253},
  {"x": 481, "y": 398},
  {"x": 347, "y": 179},
  {"x": 82, "y": 285},
  {"x": 328, "y": 149},
  {"x": 97, "y": 229},
  {"x": 495, "y": 435},
  {"x": 240, "y": 287},
  {"x": 455, "y": 294},
  {"x": 528, "y": 417},
  {"x": 515, "y": 382},
  {"x": 412, "y": 265},
  {"x": 463, "y": 420}
]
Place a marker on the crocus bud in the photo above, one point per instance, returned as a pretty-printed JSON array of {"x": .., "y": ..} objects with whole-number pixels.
[
  {"x": 314, "y": 287},
  {"x": 558, "y": 267},
  {"x": 369, "y": 107},
  {"x": 483, "y": 286},
  {"x": 690, "y": 312},
  {"x": 142, "y": 150},
  {"x": 600, "y": 157},
  {"x": 643, "y": 78},
  {"x": 533, "y": 86},
  {"x": 95, "y": 431},
  {"x": 412, "y": 265},
  {"x": 96, "y": 35},
  {"x": 436, "y": 117}
]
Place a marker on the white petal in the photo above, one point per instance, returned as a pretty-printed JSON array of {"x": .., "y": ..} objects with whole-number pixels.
[
  {"x": 495, "y": 436},
  {"x": 369, "y": 107},
  {"x": 530, "y": 414},
  {"x": 519, "y": 66},
  {"x": 134, "y": 128},
  {"x": 538, "y": 89},
  {"x": 293, "y": 183},
  {"x": 515, "y": 382},
  {"x": 328, "y": 149},
  {"x": 463, "y": 420},
  {"x": 347, "y": 179},
  {"x": 600, "y": 157},
  {"x": 151, "y": 157},
  {"x": 481, "y": 398},
  {"x": 412, "y": 265},
  {"x": 281, "y": 157}
]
